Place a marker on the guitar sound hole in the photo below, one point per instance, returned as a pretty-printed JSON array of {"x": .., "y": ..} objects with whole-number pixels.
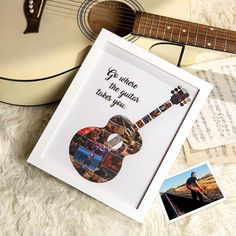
[
  {"x": 114, "y": 16},
  {"x": 118, "y": 144}
]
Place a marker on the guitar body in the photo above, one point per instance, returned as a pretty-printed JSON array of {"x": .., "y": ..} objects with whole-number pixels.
[
  {"x": 33, "y": 63},
  {"x": 93, "y": 155},
  {"x": 97, "y": 153},
  {"x": 37, "y": 68}
]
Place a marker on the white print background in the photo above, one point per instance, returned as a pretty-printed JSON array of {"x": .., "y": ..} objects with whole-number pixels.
[{"x": 88, "y": 109}]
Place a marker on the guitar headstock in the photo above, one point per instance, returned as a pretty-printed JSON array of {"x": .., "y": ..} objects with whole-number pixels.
[{"x": 180, "y": 96}]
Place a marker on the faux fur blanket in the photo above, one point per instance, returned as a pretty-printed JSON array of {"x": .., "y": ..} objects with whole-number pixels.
[{"x": 35, "y": 203}]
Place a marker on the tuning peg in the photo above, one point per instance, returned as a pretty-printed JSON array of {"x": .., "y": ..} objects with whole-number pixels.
[
  {"x": 186, "y": 100},
  {"x": 181, "y": 104},
  {"x": 187, "y": 95},
  {"x": 179, "y": 87},
  {"x": 172, "y": 91},
  {"x": 176, "y": 89}
]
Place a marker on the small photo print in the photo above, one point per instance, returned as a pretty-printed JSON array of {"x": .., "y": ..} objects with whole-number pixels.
[{"x": 189, "y": 191}]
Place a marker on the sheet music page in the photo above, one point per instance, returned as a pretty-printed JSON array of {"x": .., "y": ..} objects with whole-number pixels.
[
  {"x": 221, "y": 154},
  {"x": 216, "y": 124}
]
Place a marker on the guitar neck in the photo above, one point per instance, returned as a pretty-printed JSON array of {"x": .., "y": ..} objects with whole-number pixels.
[
  {"x": 149, "y": 117},
  {"x": 184, "y": 32}
]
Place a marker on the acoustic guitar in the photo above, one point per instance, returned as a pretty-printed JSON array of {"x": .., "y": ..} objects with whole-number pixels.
[
  {"x": 97, "y": 153},
  {"x": 43, "y": 42}
]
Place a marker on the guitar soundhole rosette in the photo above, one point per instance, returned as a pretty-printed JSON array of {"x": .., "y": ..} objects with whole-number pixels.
[{"x": 84, "y": 13}]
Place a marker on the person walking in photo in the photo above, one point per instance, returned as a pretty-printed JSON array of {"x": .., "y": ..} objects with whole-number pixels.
[{"x": 193, "y": 185}]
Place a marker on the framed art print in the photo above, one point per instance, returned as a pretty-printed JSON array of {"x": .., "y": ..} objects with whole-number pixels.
[{"x": 120, "y": 125}]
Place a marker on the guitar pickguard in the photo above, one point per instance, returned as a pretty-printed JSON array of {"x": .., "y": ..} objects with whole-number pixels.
[{"x": 92, "y": 155}]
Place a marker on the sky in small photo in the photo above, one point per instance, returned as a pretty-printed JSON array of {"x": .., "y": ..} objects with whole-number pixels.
[{"x": 181, "y": 178}]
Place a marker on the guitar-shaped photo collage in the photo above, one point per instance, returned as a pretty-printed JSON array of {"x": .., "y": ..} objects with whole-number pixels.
[{"x": 97, "y": 153}]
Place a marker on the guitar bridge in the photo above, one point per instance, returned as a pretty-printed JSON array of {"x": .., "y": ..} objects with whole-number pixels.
[{"x": 33, "y": 12}]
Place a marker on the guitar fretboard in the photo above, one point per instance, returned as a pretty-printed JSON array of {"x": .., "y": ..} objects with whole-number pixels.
[
  {"x": 149, "y": 117},
  {"x": 184, "y": 32},
  {"x": 140, "y": 123}
]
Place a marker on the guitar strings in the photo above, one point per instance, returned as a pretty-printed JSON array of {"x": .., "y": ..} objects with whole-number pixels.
[
  {"x": 200, "y": 36},
  {"x": 73, "y": 16},
  {"x": 65, "y": 2},
  {"x": 126, "y": 15},
  {"x": 142, "y": 25},
  {"x": 93, "y": 3},
  {"x": 109, "y": 3},
  {"x": 74, "y": 10},
  {"x": 121, "y": 26},
  {"x": 60, "y": 13}
]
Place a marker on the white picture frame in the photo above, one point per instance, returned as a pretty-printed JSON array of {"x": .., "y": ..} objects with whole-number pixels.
[{"x": 83, "y": 106}]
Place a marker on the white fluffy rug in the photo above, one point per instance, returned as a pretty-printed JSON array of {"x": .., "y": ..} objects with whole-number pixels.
[{"x": 34, "y": 203}]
